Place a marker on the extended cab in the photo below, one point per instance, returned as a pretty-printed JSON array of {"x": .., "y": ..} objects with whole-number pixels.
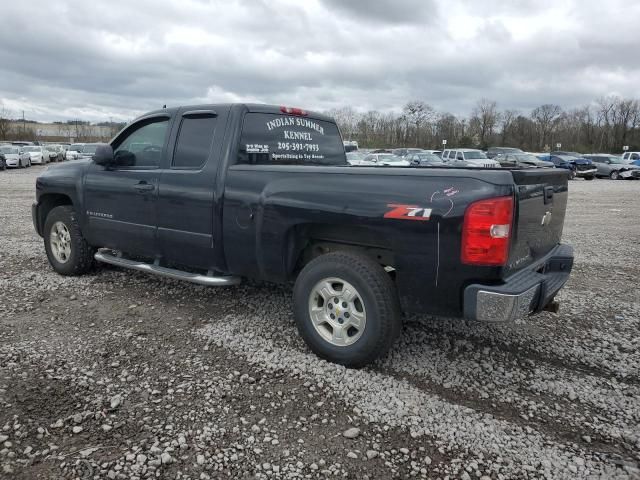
[{"x": 214, "y": 193}]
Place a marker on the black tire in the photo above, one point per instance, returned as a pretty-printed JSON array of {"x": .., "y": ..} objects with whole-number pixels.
[
  {"x": 379, "y": 298},
  {"x": 20, "y": 164},
  {"x": 572, "y": 174},
  {"x": 590, "y": 177},
  {"x": 614, "y": 175},
  {"x": 81, "y": 258}
]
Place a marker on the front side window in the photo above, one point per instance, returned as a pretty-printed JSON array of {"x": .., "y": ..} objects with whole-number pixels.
[
  {"x": 194, "y": 142},
  {"x": 274, "y": 139},
  {"x": 143, "y": 146},
  {"x": 459, "y": 156}
]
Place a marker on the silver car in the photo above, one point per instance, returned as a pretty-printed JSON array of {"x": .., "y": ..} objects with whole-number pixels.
[
  {"x": 15, "y": 157},
  {"x": 468, "y": 157},
  {"x": 521, "y": 160},
  {"x": 613, "y": 167}
]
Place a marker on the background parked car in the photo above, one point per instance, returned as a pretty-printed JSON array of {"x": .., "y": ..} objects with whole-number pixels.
[
  {"x": 468, "y": 157},
  {"x": 73, "y": 152},
  {"x": 613, "y": 167},
  {"x": 50, "y": 153},
  {"x": 403, "y": 152},
  {"x": 495, "y": 151},
  {"x": 355, "y": 158},
  {"x": 578, "y": 167},
  {"x": 59, "y": 152},
  {"x": 384, "y": 159},
  {"x": 14, "y": 156},
  {"x": 88, "y": 150},
  {"x": 3, "y": 163},
  {"x": 631, "y": 157},
  {"x": 424, "y": 159},
  {"x": 522, "y": 160},
  {"x": 350, "y": 146},
  {"x": 36, "y": 154}
]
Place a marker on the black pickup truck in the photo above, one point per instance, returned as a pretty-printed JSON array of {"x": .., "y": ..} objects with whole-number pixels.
[{"x": 214, "y": 193}]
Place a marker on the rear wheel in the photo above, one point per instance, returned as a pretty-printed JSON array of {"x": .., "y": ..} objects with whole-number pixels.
[
  {"x": 67, "y": 250},
  {"x": 615, "y": 175},
  {"x": 346, "y": 308}
]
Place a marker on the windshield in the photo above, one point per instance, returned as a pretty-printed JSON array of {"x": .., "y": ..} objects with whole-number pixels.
[
  {"x": 31, "y": 149},
  {"x": 616, "y": 160},
  {"x": 89, "y": 149},
  {"x": 8, "y": 150},
  {"x": 474, "y": 155},
  {"x": 505, "y": 150},
  {"x": 526, "y": 158},
  {"x": 389, "y": 158},
  {"x": 428, "y": 157}
]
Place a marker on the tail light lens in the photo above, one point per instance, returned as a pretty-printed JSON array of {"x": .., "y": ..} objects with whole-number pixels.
[
  {"x": 486, "y": 232},
  {"x": 294, "y": 111}
]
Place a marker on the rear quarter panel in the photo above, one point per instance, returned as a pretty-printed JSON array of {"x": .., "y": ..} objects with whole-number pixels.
[{"x": 267, "y": 209}]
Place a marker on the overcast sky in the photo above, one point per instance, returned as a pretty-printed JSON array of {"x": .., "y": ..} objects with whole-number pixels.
[{"x": 68, "y": 59}]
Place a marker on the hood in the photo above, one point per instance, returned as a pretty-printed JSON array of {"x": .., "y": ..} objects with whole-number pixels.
[
  {"x": 582, "y": 161},
  {"x": 404, "y": 163},
  {"x": 65, "y": 169}
]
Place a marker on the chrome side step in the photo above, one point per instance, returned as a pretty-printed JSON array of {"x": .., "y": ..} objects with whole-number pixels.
[{"x": 207, "y": 280}]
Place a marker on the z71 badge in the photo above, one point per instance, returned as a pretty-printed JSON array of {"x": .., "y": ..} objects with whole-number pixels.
[{"x": 408, "y": 212}]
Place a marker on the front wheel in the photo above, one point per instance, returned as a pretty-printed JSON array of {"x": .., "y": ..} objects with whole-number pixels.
[
  {"x": 67, "y": 250},
  {"x": 614, "y": 175},
  {"x": 572, "y": 174},
  {"x": 346, "y": 308}
]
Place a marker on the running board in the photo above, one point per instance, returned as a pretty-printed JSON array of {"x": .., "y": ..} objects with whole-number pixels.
[{"x": 207, "y": 280}]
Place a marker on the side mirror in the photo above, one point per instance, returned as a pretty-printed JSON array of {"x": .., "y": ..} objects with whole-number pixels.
[{"x": 103, "y": 155}]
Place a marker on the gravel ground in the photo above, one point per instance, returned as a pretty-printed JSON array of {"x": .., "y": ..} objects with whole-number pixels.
[{"x": 121, "y": 375}]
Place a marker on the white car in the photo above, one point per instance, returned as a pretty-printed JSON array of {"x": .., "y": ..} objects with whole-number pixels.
[
  {"x": 37, "y": 155},
  {"x": 15, "y": 156},
  {"x": 384, "y": 159},
  {"x": 50, "y": 153},
  {"x": 468, "y": 157},
  {"x": 73, "y": 151},
  {"x": 631, "y": 157}
]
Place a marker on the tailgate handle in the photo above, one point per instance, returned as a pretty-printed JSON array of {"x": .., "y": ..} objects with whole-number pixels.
[{"x": 548, "y": 195}]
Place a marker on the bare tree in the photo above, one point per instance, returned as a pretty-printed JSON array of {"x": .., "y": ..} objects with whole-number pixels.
[
  {"x": 417, "y": 114},
  {"x": 546, "y": 118},
  {"x": 5, "y": 124},
  {"x": 485, "y": 116}
]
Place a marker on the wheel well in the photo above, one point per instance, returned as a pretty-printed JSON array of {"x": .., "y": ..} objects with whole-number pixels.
[
  {"x": 47, "y": 203},
  {"x": 310, "y": 241}
]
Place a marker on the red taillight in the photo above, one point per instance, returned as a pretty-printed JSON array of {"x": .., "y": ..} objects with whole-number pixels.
[
  {"x": 486, "y": 231},
  {"x": 294, "y": 111}
]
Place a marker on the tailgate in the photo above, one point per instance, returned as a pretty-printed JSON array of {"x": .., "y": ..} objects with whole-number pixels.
[{"x": 541, "y": 202}]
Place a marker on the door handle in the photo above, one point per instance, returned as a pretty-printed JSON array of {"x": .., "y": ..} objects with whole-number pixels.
[{"x": 144, "y": 187}]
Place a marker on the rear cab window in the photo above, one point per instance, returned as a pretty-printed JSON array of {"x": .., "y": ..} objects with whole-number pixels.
[{"x": 280, "y": 139}]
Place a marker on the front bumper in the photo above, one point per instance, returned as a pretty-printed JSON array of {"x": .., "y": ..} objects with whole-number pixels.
[
  {"x": 527, "y": 291},
  {"x": 586, "y": 173},
  {"x": 35, "y": 218},
  {"x": 630, "y": 174}
]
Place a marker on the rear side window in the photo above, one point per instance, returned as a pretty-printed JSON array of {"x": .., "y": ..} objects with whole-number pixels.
[
  {"x": 194, "y": 142},
  {"x": 274, "y": 139}
]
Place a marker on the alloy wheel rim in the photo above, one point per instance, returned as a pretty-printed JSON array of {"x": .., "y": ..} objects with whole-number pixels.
[
  {"x": 337, "y": 312},
  {"x": 60, "y": 240}
]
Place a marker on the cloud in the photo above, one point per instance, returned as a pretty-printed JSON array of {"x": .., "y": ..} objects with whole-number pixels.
[{"x": 121, "y": 58}]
